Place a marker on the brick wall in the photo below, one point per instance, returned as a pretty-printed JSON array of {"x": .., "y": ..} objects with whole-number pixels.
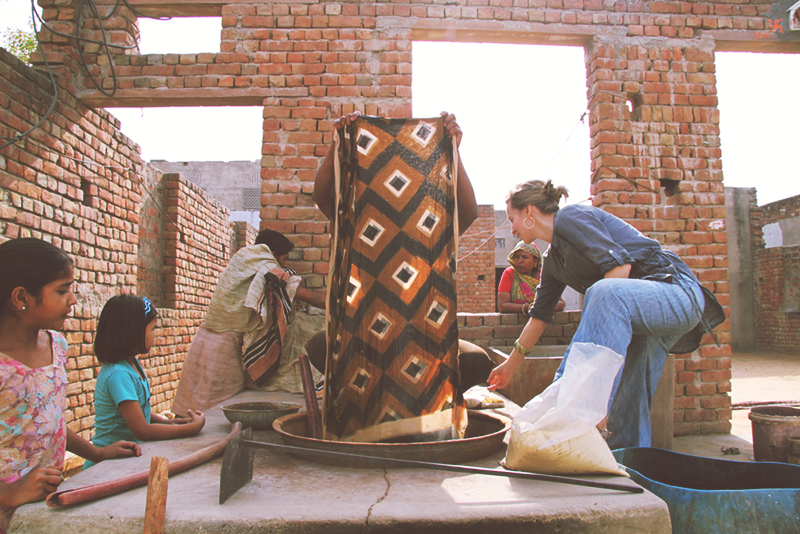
[
  {"x": 777, "y": 281},
  {"x": 475, "y": 274},
  {"x": 773, "y": 212},
  {"x": 152, "y": 238},
  {"x": 245, "y": 235},
  {"x": 777, "y": 299},
  {"x": 657, "y": 165},
  {"x": 198, "y": 234},
  {"x": 79, "y": 183},
  {"x": 502, "y": 329}
]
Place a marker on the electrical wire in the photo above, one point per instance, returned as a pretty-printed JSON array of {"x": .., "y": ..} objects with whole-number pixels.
[
  {"x": 493, "y": 234},
  {"x": 79, "y": 45},
  {"x": 22, "y": 135},
  {"x": 79, "y": 41},
  {"x": 580, "y": 121}
]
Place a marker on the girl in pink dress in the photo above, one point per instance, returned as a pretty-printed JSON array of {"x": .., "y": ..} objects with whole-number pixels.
[{"x": 35, "y": 300}]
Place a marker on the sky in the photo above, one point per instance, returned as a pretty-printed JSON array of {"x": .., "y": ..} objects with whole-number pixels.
[{"x": 520, "y": 107}]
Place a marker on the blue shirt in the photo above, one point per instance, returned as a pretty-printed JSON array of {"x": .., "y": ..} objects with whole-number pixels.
[
  {"x": 587, "y": 243},
  {"x": 118, "y": 382}
]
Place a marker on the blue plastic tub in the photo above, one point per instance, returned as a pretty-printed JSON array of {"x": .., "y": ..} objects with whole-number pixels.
[{"x": 707, "y": 495}]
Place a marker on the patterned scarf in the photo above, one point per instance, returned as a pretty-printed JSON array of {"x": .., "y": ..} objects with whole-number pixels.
[
  {"x": 523, "y": 289},
  {"x": 262, "y": 357}
]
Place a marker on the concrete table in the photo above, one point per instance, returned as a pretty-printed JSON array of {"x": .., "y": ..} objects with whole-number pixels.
[{"x": 292, "y": 495}]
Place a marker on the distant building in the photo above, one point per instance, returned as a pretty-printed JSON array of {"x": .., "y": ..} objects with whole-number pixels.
[{"x": 237, "y": 184}]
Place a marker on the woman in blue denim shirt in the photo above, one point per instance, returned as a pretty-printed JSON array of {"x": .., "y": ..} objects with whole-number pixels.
[{"x": 641, "y": 302}]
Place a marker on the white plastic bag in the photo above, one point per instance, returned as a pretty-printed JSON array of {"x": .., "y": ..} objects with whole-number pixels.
[{"x": 555, "y": 432}]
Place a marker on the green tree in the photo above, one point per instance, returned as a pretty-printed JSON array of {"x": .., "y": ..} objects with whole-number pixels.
[{"x": 21, "y": 43}]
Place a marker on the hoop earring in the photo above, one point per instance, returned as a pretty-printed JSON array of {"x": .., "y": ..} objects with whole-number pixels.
[{"x": 528, "y": 219}]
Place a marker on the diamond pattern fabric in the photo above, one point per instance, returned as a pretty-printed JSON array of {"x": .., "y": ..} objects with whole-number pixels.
[{"x": 392, "y": 331}]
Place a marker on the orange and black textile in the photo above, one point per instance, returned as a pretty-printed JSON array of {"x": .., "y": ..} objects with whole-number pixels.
[
  {"x": 392, "y": 335},
  {"x": 261, "y": 359}
]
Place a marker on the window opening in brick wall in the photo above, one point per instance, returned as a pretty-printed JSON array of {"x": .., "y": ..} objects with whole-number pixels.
[
  {"x": 251, "y": 199},
  {"x": 634, "y": 104},
  {"x": 197, "y": 35},
  {"x": 758, "y": 136},
  {"x": 86, "y": 187},
  {"x": 537, "y": 95}
]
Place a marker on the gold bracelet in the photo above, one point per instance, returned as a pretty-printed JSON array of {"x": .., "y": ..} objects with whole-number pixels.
[{"x": 522, "y": 350}]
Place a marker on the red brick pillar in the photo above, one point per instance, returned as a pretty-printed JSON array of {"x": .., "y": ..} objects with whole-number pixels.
[
  {"x": 656, "y": 164},
  {"x": 319, "y": 62},
  {"x": 475, "y": 274}
]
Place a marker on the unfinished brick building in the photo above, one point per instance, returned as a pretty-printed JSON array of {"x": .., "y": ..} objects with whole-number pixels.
[{"x": 76, "y": 180}]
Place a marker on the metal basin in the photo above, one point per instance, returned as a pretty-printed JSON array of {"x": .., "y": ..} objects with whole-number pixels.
[
  {"x": 258, "y": 415},
  {"x": 708, "y": 495},
  {"x": 484, "y": 436},
  {"x": 772, "y": 427}
]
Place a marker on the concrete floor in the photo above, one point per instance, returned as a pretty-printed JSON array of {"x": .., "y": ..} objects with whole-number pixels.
[
  {"x": 755, "y": 377},
  {"x": 314, "y": 497},
  {"x": 288, "y": 495}
]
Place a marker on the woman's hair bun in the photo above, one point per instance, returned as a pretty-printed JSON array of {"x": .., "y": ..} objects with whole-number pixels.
[{"x": 553, "y": 192}]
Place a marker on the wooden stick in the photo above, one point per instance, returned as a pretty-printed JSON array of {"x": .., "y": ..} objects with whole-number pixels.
[
  {"x": 155, "y": 512},
  {"x": 310, "y": 394},
  {"x": 113, "y": 487}
]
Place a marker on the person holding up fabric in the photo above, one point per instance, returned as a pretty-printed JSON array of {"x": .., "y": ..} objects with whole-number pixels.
[
  {"x": 517, "y": 289},
  {"x": 641, "y": 301},
  {"x": 474, "y": 364},
  {"x": 244, "y": 325}
]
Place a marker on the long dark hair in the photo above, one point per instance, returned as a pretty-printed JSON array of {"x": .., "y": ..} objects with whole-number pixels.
[
  {"x": 121, "y": 328},
  {"x": 30, "y": 263}
]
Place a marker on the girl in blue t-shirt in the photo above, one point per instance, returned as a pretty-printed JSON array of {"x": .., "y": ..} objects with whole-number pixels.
[{"x": 126, "y": 328}]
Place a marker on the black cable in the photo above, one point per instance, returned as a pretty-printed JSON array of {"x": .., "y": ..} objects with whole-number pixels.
[
  {"x": 79, "y": 40},
  {"x": 79, "y": 45},
  {"x": 49, "y": 28},
  {"x": 21, "y": 136}
]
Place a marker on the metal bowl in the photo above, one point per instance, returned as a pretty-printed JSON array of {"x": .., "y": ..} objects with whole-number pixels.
[
  {"x": 484, "y": 437},
  {"x": 258, "y": 415}
]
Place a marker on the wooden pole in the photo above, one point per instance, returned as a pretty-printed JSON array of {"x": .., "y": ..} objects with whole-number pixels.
[
  {"x": 155, "y": 512},
  {"x": 310, "y": 394},
  {"x": 113, "y": 487}
]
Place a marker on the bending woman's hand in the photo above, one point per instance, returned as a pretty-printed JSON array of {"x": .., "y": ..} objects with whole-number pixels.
[
  {"x": 282, "y": 275},
  {"x": 500, "y": 377}
]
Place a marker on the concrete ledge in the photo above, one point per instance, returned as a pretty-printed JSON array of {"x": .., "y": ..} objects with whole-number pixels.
[{"x": 291, "y": 495}]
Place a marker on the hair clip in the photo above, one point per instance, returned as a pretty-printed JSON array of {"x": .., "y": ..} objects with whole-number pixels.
[{"x": 148, "y": 306}]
